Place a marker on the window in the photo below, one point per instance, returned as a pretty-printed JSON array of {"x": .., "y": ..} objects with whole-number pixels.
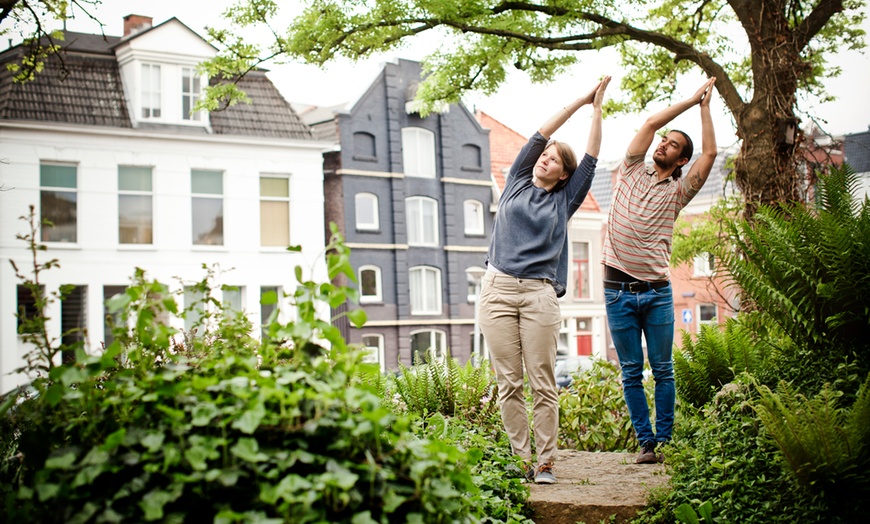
[
  {"x": 473, "y": 217},
  {"x": 704, "y": 265},
  {"x": 364, "y": 146},
  {"x": 581, "y": 270},
  {"x": 268, "y": 305},
  {"x": 471, "y": 158},
  {"x": 190, "y": 91},
  {"x": 274, "y": 211},
  {"x": 422, "y": 221},
  {"x": 425, "y": 291},
  {"x": 194, "y": 308},
  {"x": 110, "y": 320},
  {"x": 150, "y": 91},
  {"x": 706, "y": 315},
  {"x": 26, "y": 307},
  {"x": 233, "y": 298},
  {"x": 73, "y": 319},
  {"x": 475, "y": 278},
  {"x": 374, "y": 347},
  {"x": 426, "y": 344},
  {"x": 58, "y": 202},
  {"x": 370, "y": 284},
  {"x": 366, "y": 208},
  {"x": 135, "y": 205},
  {"x": 207, "y": 204},
  {"x": 418, "y": 152}
]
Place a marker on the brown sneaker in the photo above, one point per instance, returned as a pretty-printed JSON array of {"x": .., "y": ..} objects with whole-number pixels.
[
  {"x": 544, "y": 474},
  {"x": 647, "y": 454}
]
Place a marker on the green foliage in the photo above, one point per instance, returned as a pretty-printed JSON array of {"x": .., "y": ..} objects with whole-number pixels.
[
  {"x": 224, "y": 428},
  {"x": 808, "y": 272},
  {"x": 446, "y": 387},
  {"x": 592, "y": 412},
  {"x": 494, "y": 472},
  {"x": 722, "y": 455},
  {"x": 703, "y": 365},
  {"x": 826, "y": 447},
  {"x": 32, "y": 21}
]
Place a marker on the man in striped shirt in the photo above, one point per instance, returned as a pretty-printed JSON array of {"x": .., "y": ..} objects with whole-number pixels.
[{"x": 637, "y": 249}]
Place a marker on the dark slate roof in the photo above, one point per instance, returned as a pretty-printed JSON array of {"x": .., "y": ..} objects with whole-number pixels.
[
  {"x": 92, "y": 94},
  {"x": 856, "y": 147},
  {"x": 268, "y": 114},
  {"x": 322, "y": 119}
]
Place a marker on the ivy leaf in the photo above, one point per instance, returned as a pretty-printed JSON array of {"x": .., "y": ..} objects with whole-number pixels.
[
  {"x": 248, "y": 449},
  {"x": 63, "y": 461},
  {"x": 47, "y": 491}
]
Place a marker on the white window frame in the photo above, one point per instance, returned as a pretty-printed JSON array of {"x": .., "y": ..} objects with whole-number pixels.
[
  {"x": 426, "y": 295},
  {"x": 473, "y": 213},
  {"x": 58, "y": 189},
  {"x": 211, "y": 196},
  {"x": 703, "y": 267},
  {"x": 366, "y": 201},
  {"x": 227, "y": 292},
  {"x": 415, "y": 208},
  {"x": 275, "y": 199},
  {"x": 136, "y": 193},
  {"x": 440, "y": 349},
  {"x": 379, "y": 294},
  {"x": 374, "y": 353},
  {"x": 588, "y": 274},
  {"x": 714, "y": 322},
  {"x": 191, "y": 90},
  {"x": 151, "y": 91},
  {"x": 418, "y": 152}
]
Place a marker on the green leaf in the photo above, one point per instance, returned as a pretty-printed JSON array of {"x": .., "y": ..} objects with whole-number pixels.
[
  {"x": 47, "y": 491},
  {"x": 248, "y": 449},
  {"x": 153, "y": 501},
  {"x": 357, "y": 317},
  {"x": 686, "y": 514},
  {"x": 250, "y": 419},
  {"x": 153, "y": 441},
  {"x": 62, "y": 461}
]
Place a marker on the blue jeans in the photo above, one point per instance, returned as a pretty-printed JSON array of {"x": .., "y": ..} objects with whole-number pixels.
[{"x": 651, "y": 313}]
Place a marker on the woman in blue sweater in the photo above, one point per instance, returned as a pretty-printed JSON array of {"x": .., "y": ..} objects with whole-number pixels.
[{"x": 527, "y": 267}]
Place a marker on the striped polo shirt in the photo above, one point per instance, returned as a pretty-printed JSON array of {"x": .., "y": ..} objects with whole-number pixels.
[{"x": 640, "y": 226}]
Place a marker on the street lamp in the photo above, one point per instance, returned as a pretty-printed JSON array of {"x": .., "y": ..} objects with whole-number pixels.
[{"x": 475, "y": 275}]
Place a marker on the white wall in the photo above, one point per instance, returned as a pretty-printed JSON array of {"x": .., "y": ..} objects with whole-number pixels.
[{"x": 97, "y": 259}]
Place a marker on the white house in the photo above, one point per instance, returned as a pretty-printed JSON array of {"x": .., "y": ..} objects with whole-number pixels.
[{"x": 131, "y": 177}]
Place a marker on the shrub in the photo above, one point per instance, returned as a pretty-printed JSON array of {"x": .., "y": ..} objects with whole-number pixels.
[
  {"x": 703, "y": 365},
  {"x": 722, "y": 455},
  {"x": 224, "y": 428},
  {"x": 592, "y": 411},
  {"x": 825, "y": 447}
]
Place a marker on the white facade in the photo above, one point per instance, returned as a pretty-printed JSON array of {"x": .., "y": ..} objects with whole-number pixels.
[{"x": 96, "y": 257}]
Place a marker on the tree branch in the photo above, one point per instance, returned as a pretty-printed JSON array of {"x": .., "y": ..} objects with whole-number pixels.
[{"x": 817, "y": 19}]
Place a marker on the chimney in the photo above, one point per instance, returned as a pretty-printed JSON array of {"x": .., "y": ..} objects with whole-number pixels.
[{"x": 135, "y": 23}]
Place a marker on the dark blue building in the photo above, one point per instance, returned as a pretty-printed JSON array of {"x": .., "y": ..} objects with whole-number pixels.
[{"x": 413, "y": 198}]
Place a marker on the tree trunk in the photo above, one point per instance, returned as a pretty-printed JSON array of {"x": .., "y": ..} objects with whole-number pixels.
[{"x": 766, "y": 169}]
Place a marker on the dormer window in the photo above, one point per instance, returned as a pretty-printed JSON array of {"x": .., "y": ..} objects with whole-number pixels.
[
  {"x": 151, "y": 106},
  {"x": 190, "y": 91}
]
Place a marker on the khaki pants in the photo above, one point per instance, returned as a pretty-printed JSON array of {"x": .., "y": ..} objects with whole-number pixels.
[{"x": 520, "y": 321}]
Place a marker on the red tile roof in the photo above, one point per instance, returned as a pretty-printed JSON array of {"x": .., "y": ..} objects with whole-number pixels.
[{"x": 504, "y": 144}]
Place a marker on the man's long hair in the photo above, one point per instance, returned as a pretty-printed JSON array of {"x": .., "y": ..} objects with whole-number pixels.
[{"x": 686, "y": 153}]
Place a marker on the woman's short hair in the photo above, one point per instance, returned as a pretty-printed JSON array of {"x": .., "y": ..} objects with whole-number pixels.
[{"x": 569, "y": 161}]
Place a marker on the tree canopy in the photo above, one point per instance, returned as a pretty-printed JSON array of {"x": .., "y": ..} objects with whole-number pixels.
[{"x": 765, "y": 54}]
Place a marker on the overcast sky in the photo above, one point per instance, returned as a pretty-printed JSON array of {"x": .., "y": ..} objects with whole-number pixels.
[{"x": 518, "y": 104}]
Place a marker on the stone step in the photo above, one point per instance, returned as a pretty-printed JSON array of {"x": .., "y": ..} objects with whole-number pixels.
[{"x": 592, "y": 486}]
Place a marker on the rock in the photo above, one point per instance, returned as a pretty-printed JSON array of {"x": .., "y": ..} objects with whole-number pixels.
[{"x": 593, "y": 486}]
